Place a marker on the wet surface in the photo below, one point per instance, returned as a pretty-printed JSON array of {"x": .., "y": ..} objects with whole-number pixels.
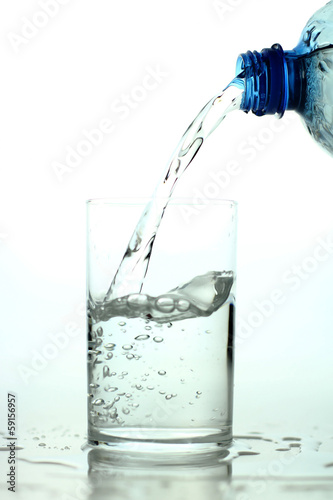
[{"x": 52, "y": 464}]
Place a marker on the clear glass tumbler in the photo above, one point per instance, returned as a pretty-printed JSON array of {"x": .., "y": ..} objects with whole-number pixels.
[{"x": 160, "y": 359}]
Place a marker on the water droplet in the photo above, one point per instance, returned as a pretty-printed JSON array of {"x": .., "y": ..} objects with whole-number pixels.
[
  {"x": 208, "y": 331},
  {"x": 35, "y": 438},
  {"x": 99, "y": 342},
  {"x": 165, "y": 304},
  {"x": 142, "y": 337},
  {"x": 183, "y": 305},
  {"x": 182, "y": 380},
  {"x": 98, "y": 402},
  {"x": 109, "y": 355},
  {"x": 150, "y": 387},
  {"x": 174, "y": 395},
  {"x": 94, "y": 386},
  {"x": 147, "y": 327},
  {"x": 110, "y": 389},
  {"x": 162, "y": 372},
  {"x": 42, "y": 444},
  {"x": 168, "y": 396},
  {"x": 169, "y": 325},
  {"x": 127, "y": 347},
  {"x": 116, "y": 399},
  {"x": 100, "y": 331},
  {"x": 139, "y": 387},
  {"x": 121, "y": 323},
  {"x": 162, "y": 392},
  {"x": 198, "y": 394},
  {"x": 128, "y": 395},
  {"x": 125, "y": 411},
  {"x": 129, "y": 356},
  {"x": 158, "y": 339},
  {"x": 124, "y": 373},
  {"x": 67, "y": 448},
  {"x": 135, "y": 405},
  {"x": 110, "y": 346}
]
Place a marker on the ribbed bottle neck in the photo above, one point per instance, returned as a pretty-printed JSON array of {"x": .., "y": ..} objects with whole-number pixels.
[{"x": 273, "y": 81}]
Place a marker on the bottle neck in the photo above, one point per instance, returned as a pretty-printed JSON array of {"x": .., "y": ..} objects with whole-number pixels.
[{"x": 273, "y": 81}]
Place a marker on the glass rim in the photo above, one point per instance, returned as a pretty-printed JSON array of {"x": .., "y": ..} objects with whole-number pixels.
[{"x": 143, "y": 200}]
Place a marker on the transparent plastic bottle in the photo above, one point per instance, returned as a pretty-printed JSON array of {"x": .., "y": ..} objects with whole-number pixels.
[{"x": 300, "y": 79}]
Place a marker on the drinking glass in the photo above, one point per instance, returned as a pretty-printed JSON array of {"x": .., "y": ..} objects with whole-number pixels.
[{"x": 161, "y": 358}]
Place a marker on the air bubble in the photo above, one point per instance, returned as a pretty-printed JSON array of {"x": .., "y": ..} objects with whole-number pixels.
[
  {"x": 110, "y": 389},
  {"x": 162, "y": 392},
  {"x": 100, "y": 331},
  {"x": 208, "y": 331},
  {"x": 98, "y": 342},
  {"x": 109, "y": 355},
  {"x": 129, "y": 356},
  {"x": 165, "y": 304},
  {"x": 114, "y": 413},
  {"x": 98, "y": 402},
  {"x": 148, "y": 328},
  {"x": 168, "y": 396},
  {"x": 106, "y": 371},
  {"x": 121, "y": 323},
  {"x": 42, "y": 444},
  {"x": 137, "y": 300},
  {"x": 124, "y": 373},
  {"x": 158, "y": 339},
  {"x": 125, "y": 411},
  {"x": 127, "y": 347},
  {"x": 142, "y": 337},
  {"x": 169, "y": 325},
  {"x": 162, "y": 372},
  {"x": 183, "y": 305},
  {"x": 150, "y": 387},
  {"x": 110, "y": 346},
  {"x": 116, "y": 399},
  {"x": 139, "y": 387},
  {"x": 94, "y": 386}
]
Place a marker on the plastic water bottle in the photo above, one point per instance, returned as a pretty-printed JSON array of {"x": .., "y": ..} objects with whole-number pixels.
[{"x": 300, "y": 79}]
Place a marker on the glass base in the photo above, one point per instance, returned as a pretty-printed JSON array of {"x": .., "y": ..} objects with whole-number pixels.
[{"x": 151, "y": 445}]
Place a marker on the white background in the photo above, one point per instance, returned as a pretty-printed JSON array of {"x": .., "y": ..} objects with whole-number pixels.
[{"x": 69, "y": 76}]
